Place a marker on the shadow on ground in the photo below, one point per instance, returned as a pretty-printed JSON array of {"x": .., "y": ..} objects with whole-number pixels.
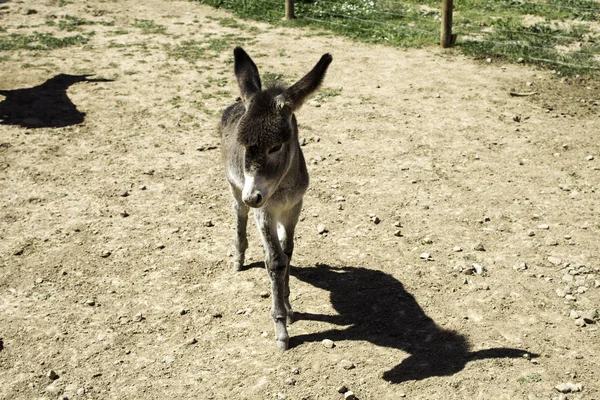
[
  {"x": 373, "y": 306},
  {"x": 43, "y": 106}
]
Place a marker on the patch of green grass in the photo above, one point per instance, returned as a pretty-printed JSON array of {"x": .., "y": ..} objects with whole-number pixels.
[
  {"x": 231, "y": 23},
  {"x": 513, "y": 30},
  {"x": 533, "y": 378},
  {"x": 40, "y": 41},
  {"x": 149, "y": 27},
  {"x": 272, "y": 77},
  {"x": 327, "y": 93},
  {"x": 195, "y": 50}
]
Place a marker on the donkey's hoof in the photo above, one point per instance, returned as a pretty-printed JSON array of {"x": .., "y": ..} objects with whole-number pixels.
[
  {"x": 237, "y": 266},
  {"x": 282, "y": 344},
  {"x": 289, "y": 319}
]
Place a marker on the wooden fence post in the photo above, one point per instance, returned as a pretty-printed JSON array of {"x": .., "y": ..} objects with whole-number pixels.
[
  {"x": 289, "y": 9},
  {"x": 448, "y": 38}
]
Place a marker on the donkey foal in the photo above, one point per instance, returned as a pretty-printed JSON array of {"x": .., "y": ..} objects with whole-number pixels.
[{"x": 266, "y": 171}]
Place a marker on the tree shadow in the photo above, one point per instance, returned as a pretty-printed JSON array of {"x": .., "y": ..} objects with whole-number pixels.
[
  {"x": 374, "y": 306},
  {"x": 43, "y": 106}
]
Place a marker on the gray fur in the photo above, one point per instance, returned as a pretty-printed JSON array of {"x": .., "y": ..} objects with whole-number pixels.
[{"x": 266, "y": 171}]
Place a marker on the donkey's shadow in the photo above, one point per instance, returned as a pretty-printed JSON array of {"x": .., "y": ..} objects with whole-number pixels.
[
  {"x": 45, "y": 105},
  {"x": 374, "y": 306}
]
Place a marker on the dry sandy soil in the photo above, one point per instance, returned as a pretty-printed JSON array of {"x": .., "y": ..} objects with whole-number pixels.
[{"x": 116, "y": 228}]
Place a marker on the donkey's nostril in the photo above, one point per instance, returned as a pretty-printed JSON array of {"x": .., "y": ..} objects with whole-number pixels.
[{"x": 258, "y": 198}]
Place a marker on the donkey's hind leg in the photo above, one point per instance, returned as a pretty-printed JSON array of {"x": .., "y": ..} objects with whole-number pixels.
[
  {"x": 241, "y": 240},
  {"x": 286, "y": 238}
]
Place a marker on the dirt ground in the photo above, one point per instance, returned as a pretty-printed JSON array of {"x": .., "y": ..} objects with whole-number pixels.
[{"x": 116, "y": 228}]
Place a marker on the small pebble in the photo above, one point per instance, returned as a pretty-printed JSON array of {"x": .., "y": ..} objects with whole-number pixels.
[
  {"x": 554, "y": 260},
  {"x": 52, "y": 375},
  {"x": 349, "y": 395},
  {"x": 478, "y": 269},
  {"x": 321, "y": 229},
  {"x": 328, "y": 343},
  {"x": 347, "y": 365},
  {"x": 138, "y": 317},
  {"x": 589, "y": 158},
  {"x": 124, "y": 193},
  {"x": 342, "y": 389},
  {"x": 520, "y": 267},
  {"x": 574, "y": 314},
  {"x": 588, "y": 317},
  {"x": 290, "y": 381},
  {"x": 569, "y": 387},
  {"x": 479, "y": 247},
  {"x": 457, "y": 249},
  {"x": 425, "y": 256},
  {"x": 105, "y": 254},
  {"x": 302, "y": 141},
  {"x": 208, "y": 223},
  {"x": 90, "y": 302},
  {"x": 265, "y": 294},
  {"x": 544, "y": 227},
  {"x": 398, "y": 233},
  {"x": 124, "y": 214}
]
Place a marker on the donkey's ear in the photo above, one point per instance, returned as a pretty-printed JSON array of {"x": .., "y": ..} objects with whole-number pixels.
[
  {"x": 246, "y": 73},
  {"x": 295, "y": 95}
]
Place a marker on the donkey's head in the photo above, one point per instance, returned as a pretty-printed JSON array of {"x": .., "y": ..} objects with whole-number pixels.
[{"x": 267, "y": 130}]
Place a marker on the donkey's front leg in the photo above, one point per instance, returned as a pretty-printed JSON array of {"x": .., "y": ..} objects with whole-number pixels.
[
  {"x": 277, "y": 268},
  {"x": 288, "y": 223},
  {"x": 241, "y": 240}
]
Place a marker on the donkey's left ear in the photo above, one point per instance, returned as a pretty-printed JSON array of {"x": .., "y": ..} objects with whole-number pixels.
[
  {"x": 246, "y": 73},
  {"x": 296, "y": 94}
]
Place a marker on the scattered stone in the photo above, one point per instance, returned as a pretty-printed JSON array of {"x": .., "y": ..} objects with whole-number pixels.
[
  {"x": 544, "y": 227},
  {"x": 81, "y": 391},
  {"x": 295, "y": 371},
  {"x": 398, "y": 233},
  {"x": 520, "y": 267},
  {"x": 192, "y": 341},
  {"x": 328, "y": 343},
  {"x": 90, "y": 302},
  {"x": 208, "y": 223},
  {"x": 425, "y": 256},
  {"x": 574, "y": 314},
  {"x": 105, "y": 254},
  {"x": 349, "y": 395},
  {"x": 169, "y": 359},
  {"x": 124, "y": 214},
  {"x": 560, "y": 292},
  {"x": 321, "y": 229},
  {"x": 427, "y": 240},
  {"x": 376, "y": 220},
  {"x": 290, "y": 381},
  {"x": 554, "y": 260},
  {"x": 478, "y": 269},
  {"x": 265, "y": 294},
  {"x": 302, "y": 141},
  {"x": 589, "y": 317},
  {"x": 589, "y": 158},
  {"x": 138, "y": 317},
  {"x": 468, "y": 270},
  {"x": 124, "y": 193},
  {"x": 160, "y": 246},
  {"x": 567, "y": 278},
  {"x": 551, "y": 242},
  {"x": 479, "y": 247},
  {"x": 457, "y": 249},
  {"x": 342, "y": 389},
  {"x": 347, "y": 365},
  {"x": 569, "y": 387},
  {"x": 569, "y": 297},
  {"x": 183, "y": 311},
  {"x": 52, "y": 375},
  {"x": 398, "y": 224},
  {"x": 281, "y": 396}
]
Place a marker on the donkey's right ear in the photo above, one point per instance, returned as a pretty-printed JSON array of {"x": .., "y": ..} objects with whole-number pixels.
[{"x": 246, "y": 73}]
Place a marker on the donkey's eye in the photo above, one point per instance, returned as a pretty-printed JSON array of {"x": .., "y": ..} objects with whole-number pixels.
[{"x": 274, "y": 149}]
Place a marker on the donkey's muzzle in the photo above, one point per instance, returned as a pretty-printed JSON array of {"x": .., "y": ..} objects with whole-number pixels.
[{"x": 253, "y": 199}]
